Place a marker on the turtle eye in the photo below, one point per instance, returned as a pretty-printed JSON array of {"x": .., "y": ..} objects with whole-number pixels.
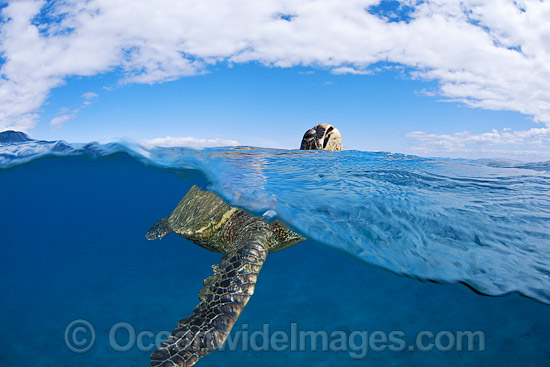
[{"x": 309, "y": 134}]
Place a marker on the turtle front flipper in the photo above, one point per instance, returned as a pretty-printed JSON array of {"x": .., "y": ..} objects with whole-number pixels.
[{"x": 221, "y": 302}]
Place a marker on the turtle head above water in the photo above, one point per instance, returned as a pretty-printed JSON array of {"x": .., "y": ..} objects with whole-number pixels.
[{"x": 322, "y": 137}]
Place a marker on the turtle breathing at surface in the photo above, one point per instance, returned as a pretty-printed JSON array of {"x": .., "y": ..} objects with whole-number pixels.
[{"x": 245, "y": 241}]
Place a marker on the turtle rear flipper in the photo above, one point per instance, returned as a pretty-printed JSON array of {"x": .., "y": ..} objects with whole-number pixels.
[
  {"x": 221, "y": 302},
  {"x": 159, "y": 229}
]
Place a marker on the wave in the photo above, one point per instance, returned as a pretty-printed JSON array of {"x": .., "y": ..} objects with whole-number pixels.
[{"x": 483, "y": 223}]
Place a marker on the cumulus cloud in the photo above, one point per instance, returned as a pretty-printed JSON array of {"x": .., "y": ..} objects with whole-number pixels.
[
  {"x": 187, "y": 142},
  {"x": 487, "y": 54}
]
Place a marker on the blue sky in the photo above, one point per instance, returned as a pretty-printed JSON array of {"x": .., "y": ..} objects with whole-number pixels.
[
  {"x": 434, "y": 78},
  {"x": 264, "y": 106}
]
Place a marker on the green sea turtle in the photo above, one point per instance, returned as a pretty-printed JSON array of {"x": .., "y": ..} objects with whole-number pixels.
[{"x": 244, "y": 240}]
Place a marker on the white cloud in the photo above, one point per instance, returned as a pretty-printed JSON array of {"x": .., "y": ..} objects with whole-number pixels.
[
  {"x": 64, "y": 115},
  {"x": 188, "y": 142},
  {"x": 90, "y": 96},
  {"x": 486, "y": 144},
  {"x": 535, "y": 136},
  {"x": 487, "y": 54},
  {"x": 350, "y": 70},
  {"x": 59, "y": 120}
]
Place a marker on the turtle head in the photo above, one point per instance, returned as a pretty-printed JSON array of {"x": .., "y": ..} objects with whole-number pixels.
[
  {"x": 159, "y": 229},
  {"x": 322, "y": 137},
  {"x": 282, "y": 237}
]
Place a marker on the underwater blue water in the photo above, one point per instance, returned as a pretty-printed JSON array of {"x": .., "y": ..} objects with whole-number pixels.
[{"x": 72, "y": 246}]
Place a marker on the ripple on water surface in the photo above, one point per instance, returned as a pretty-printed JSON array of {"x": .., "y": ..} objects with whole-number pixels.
[{"x": 483, "y": 223}]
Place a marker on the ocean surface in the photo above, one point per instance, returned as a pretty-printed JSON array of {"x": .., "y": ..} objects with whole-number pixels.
[{"x": 395, "y": 243}]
